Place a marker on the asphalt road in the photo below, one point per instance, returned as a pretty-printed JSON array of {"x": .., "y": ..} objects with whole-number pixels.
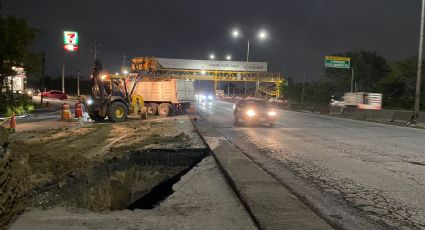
[{"x": 355, "y": 174}]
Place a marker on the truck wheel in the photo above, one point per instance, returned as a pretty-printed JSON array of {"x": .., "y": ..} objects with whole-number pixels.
[
  {"x": 152, "y": 109},
  {"x": 164, "y": 109},
  {"x": 117, "y": 111}
]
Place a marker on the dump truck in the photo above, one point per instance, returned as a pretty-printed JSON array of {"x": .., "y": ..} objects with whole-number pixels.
[
  {"x": 165, "y": 97},
  {"x": 113, "y": 96}
]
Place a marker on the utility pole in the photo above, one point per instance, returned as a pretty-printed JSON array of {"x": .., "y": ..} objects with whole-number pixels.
[
  {"x": 247, "y": 65},
  {"x": 302, "y": 95},
  {"x": 418, "y": 80},
  {"x": 95, "y": 49},
  {"x": 63, "y": 70},
  {"x": 124, "y": 60},
  {"x": 352, "y": 79},
  {"x": 43, "y": 70},
  {"x": 78, "y": 71}
]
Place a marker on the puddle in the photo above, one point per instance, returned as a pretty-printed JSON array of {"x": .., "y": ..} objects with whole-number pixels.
[{"x": 139, "y": 180}]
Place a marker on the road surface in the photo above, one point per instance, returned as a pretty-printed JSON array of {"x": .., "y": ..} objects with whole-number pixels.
[{"x": 355, "y": 174}]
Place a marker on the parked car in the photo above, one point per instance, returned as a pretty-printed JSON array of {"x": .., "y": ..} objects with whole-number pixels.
[
  {"x": 54, "y": 94},
  {"x": 254, "y": 112}
]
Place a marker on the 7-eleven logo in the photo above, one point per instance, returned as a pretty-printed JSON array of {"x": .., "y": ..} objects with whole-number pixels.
[{"x": 70, "y": 38}]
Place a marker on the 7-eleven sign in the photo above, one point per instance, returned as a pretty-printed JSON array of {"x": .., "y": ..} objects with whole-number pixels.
[{"x": 70, "y": 38}]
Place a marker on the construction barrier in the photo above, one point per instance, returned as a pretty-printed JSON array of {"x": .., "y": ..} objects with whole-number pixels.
[
  {"x": 421, "y": 117},
  {"x": 12, "y": 126},
  {"x": 323, "y": 109},
  {"x": 402, "y": 116},
  {"x": 66, "y": 112},
  {"x": 301, "y": 107},
  {"x": 353, "y": 112},
  {"x": 335, "y": 109},
  {"x": 379, "y": 115},
  {"x": 78, "y": 110}
]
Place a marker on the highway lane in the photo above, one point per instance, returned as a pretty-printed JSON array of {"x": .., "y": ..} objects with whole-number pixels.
[{"x": 353, "y": 173}]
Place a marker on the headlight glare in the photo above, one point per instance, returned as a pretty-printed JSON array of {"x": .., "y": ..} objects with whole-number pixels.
[
  {"x": 272, "y": 113},
  {"x": 89, "y": 101},
  {"x": 250, "y": 113}
]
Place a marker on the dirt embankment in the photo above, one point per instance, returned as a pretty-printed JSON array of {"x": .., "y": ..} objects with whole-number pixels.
[
  {"x": 49, "y": 155},
  {"x": 55, "y": 153}
]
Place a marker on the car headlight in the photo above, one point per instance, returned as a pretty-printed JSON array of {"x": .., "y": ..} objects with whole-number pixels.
[
  {"x": 210, "y": 97},
  {"x": 204, "y": 97},
  {"x": 89, "y": 101},
  {"x": 29, "y": 92},
  {"x": 272, "y": 113},
  {"x": 250, "y": 113}
]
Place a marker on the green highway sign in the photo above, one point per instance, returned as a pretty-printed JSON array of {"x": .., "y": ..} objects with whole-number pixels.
[{"x": 337, "y": 62}]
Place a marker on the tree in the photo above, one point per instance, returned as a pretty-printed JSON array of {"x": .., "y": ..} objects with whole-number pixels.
[
  {"x": 399, "y": 85},
  {"x": 369, "y": 68},
  {"x": 15, "y": 39}
]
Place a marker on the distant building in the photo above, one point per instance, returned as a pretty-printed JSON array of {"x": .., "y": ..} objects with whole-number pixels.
[{"x": 16, "y": 83}]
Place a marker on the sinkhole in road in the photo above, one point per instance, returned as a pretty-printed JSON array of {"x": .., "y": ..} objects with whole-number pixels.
[{"x": 137, "y": 180}]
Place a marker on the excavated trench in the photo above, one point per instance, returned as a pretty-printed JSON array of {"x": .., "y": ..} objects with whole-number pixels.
[{"x": 137, "y": 180}]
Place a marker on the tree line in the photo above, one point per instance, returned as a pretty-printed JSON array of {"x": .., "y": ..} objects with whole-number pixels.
[{"x": 373, "y": 73}]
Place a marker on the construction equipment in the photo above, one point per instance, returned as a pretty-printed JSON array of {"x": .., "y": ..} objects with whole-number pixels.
[
  {"x": 113, "y": 96},
  {"x": 109, "y": 96}
]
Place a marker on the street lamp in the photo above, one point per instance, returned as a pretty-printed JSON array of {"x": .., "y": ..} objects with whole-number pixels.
[
  {"x": 125, "y": 72},
  {"x": 228, "y": 57},
  {"x": 235, "y": 33},
  {"x": 262, "y": 35},
  {"x": 212, "y": 56}
]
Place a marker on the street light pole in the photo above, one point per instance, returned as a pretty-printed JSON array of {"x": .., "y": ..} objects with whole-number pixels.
[
  {"x": 418, "y": 80},
  {"x": 247, "y": 64},
  {"x": 247, "y": 53}
]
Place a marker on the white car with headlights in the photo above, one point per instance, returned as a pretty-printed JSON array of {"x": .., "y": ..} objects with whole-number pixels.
[
  {"x": 204, "y": 97},
  {"x": 254, "y": 112}
]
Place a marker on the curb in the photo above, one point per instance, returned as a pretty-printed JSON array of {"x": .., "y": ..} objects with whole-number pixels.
[{"x": 270, "y": 204}]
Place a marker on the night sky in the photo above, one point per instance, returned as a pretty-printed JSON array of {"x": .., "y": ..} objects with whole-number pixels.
[{"x": 301, "y": 32}]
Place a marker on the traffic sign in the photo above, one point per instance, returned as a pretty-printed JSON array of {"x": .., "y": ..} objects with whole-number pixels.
[
  {"x": 70, "y": 38},
  {"x": 337, "y": 62}
]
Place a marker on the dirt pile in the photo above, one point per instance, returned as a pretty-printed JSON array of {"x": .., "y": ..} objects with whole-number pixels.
[{"x": 13, "y": 184}]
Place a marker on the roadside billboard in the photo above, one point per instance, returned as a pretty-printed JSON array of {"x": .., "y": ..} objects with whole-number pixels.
[{"x": 168, "y": 63}]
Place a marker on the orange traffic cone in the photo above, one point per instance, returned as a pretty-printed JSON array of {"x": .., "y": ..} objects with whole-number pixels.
[
  {"x": 192, "y": 108},
  {"x": 13, "y": 124}
]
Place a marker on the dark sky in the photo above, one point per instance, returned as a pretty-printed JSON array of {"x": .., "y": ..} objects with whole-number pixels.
[{"x": 301, "y": 32}]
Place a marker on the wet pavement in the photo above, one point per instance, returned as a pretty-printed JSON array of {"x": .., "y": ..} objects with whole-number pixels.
[{"x": 352, "y": 173}]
